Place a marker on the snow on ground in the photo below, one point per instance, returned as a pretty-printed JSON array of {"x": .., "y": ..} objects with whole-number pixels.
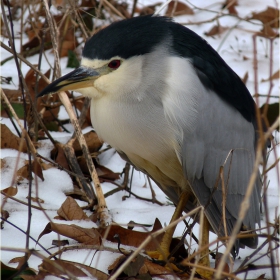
[{"x": 232, "y": 46}]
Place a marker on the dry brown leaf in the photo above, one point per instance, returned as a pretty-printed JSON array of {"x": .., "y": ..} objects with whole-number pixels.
[
  {"x": 93, "y": 142},
  {"x": 58, "y": 155},
  {"x": 77, "y": 193},
  {"x": 61, "y": 267},
  {"x": 5, "y": 215},
  {"x": 10, "y": 140},
  {"x": 155, "y": 269},
  {"x": 34, "y": 88},
  {"x": 121, "y": 7},
  {"x": 46, "y": 166},
  {"x": 116, "y": 262},
  {"x": 245, "y": 78},
  {"x": 216, "y": 30},
  {"x": 139, "y": 266},
  {"x": 10, "y": 191},
  {"x": 268, "y": 17},
  {"x": 274, "y": 76},
  {"x": 106, "y": 173},
  {"x": 60, "y": 243},
  {"x": 67, "y": 37},
  {"x": 20, "y": 260},
  {"x": 88, "y": 236},
  {"x": 217, "y": 262},
  {"x": 176, "y": 8},
  {"x": 147, "y": 10},
  {"x": 37, "y": 169},
  {"x": 70, "y": 210},
  {"x": 20, "y": 271},
  {"x": 13, "y": 94},
  {"x": 131, "y": 237},
  {"x": 261, "y": 277},
  {"x": 267, "y": 32},
  {"x": 23, "y": 173},
  {"x": 79, "y": 105},
  {"x": 3, "y": 163},
  {"x": 230, "y": 4},
  {"x": 103, "y": 172},
  {"x": 36, "y": 199}
]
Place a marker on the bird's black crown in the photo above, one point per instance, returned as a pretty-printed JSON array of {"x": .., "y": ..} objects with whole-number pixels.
[{"x": 127, "y": 38}]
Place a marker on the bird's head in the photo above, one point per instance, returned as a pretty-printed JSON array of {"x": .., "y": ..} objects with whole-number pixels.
[{"x": 118, "y": 58}]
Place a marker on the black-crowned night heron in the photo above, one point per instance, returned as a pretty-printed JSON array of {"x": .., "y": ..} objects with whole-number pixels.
[{"x": 170, "y": 105}]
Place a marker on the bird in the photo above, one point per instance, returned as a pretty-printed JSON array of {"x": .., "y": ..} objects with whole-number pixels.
[{"x": 172, "y": 107}]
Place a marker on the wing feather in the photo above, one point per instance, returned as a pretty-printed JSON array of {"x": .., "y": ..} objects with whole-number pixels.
[{"x": 215, "y": 136}]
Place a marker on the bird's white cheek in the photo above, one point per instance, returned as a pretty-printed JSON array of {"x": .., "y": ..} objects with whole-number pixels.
[{"x": 126, "y": 79}]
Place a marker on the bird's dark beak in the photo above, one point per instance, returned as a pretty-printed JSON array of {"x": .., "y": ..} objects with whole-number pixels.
[{"x": 81, "y": 77}]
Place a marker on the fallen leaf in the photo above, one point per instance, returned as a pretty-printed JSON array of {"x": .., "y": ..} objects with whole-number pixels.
[
  {"x": 59, "y": 243},
  {"x": 23, "y": 173},
  {"x": 79, "y": 105},
  {"x": 155, "y": 269},
  {"x": 133, "y": 268},
  {"x": 267, "y": 32},
  {"x": 68, "y": 40},
  {"x": 58, "y": 155},
  {"x": 5, "y": 215},
  {"x": 59, "y": 267},
  {"x": 8, "y": 272},
  {"x": 121, "y": 7},
  {"x": 88, "y": 236},
  {"x": 93, "y": 142},
  {"x": 37, "y": 169},
  {"x": 36, "y": 199},
  {"x": 216, "y": 30},
  {"x": 106, "y": 173},
  {"x": 35, "y": 85},
  {"x": 62, "y": 267},
  {"x": 3, "y": 163},
  {"x": 10, "y": 191},
  {"x": 20, "y": 260},
  {"x": 274, "y": 76},
  {"x": 245, "y": 78},
  {"x": 13, "y": 94},
  {"x": 70, "y": 210},
  {"x": 147, "y": 10},
  {"x": 140, "y": 267},
  {"x": 261, "y": 277},
  {"x": 231, "y": 4},
  {"x": 177, "y": 8},
  {"x": 46, "y": 166},
  {"x": 268, "y": 17},
  {"x": 77, "y": 193},
  {"x": 11, "y": 141},
  {"x": 131, "y": 237}
]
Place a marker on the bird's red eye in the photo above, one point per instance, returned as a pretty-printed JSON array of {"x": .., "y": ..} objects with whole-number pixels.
[{"x": 114, "y": 64}]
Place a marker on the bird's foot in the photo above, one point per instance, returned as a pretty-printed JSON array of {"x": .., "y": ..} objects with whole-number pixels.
[
  {"x": 204, "y": 272},
  {"x": 161, "y": 254}
]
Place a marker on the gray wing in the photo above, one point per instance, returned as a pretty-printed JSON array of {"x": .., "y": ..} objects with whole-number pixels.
[{"x": 212, "y": 134}]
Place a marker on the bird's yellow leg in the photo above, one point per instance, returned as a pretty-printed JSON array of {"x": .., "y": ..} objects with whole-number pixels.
[
  {"x": 163, "y": 252},
  {"x": 204, "y": 260}
]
